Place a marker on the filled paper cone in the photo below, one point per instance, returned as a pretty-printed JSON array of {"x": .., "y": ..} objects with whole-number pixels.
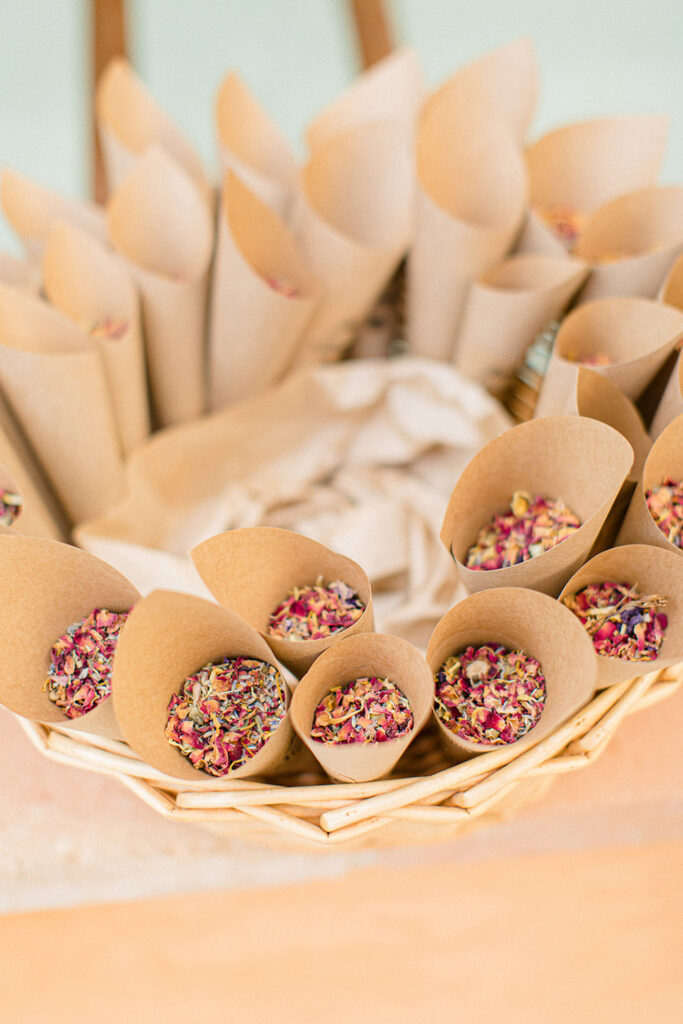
[
  {"x": 507, "y": 307},
  {"x": 92, "y": 287},
  {"x": 160, "y": 223},
  {"x": 18, "y": 273},
  {"x": 653, "y": 572},
  {"x": 355, "y": 657},
  {"x": 665, "y": 460},
  {"x": 535, "y": 624},
  {"x": 578, "y": 461},
  {"x": 40, "y": 515},
  {"x": 636, "y": 335},
  {"x": 254, "y": 327},
  {"x": 168, "y": 638},
  {"x": 251, "y": 570},
  {"x": 251, "y": 144},
  {"x": 352, "y": 221},
  {"x": 47, "y": 587},
  {"x": 55, "y": 382}
]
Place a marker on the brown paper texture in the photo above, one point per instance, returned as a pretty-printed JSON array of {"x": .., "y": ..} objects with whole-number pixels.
[
  {"x": 531, "y": 622},
  {"x": 19, "y": 273},
  {"x": 160, "y": 223},
  {"x": 568, "y": 458},
  {"x": 41, "y": 515},
  {"x": 671, "y": 291},
  {"x": 665, "y": 459},
  {"x": 89, "y": 285},
  {"x": 637, "y": 335},
  {"x": 355, "y": 657},
  {"x": 169, "y": 637},
  {"x": 251, "y": 570},
  {"x": 55, "y": 382},
  {"x": 671, "y": 403},
  {"x": 652, "y": 571},
  {"x": 254, "y": 329},
  {"x": 47, "y": 587}
]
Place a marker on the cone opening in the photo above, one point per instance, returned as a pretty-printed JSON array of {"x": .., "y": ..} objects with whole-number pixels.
[
  {"x": 532, "y": 273},
  {"x": 623, "y": 329},
  {"x": 634, "y": 225}
]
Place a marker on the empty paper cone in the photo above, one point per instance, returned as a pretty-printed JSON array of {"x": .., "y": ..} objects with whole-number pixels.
[
  {"x": 18, "y": 273},
  {"x": 652, "y": 572},
  {"x": 168, "y": 638},
  {"x": 635, "y": 335},
  {"x": 252, "y": 570},
  {"x": 507, "y": 307},
  {"x": 251, "y": 144},
  {"x": 356, "y": 657},
  {"x": 160, "y": 223},
  {"x": 255, "y": 324},
  {"x": 55, "y": 381},
  {"x": 535, "y": 624},
  {"x": 92, "y": 287},
  {"x": 564, "y": 458},
  {"x": 665, "y": 460},
  {"x": 47, "y": 587}
]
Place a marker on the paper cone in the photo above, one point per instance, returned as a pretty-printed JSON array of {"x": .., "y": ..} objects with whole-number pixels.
[
  {"x": 352, "y": 222},
  {"x": 251, "y": 144},
  {"x": 355, "y": 657},
  {"x": 18, "y": 273},
  {"x": 32, "y": 209},
  {"x": 168, "y": 638},
  {"x": 527, "y": 621},
  {"x": 575, "y": 460},
  {"x": 671, "y": 291},
  {"x": 254, "y": 329},
  {"x": 507, "y": 307},
  {"x": 671, "y": 403},
  {"x": 159, "y": 222},
  {"x": 47, "y": 587},
  {"x": 652, "y": 571},
  {"x": 90, "y": 285},
  {"x": 251, "y": 570},
  {"x": 55, "y": 382},
  {"x": 665, "y": 460},
  {"x": 637, "y": 335}
]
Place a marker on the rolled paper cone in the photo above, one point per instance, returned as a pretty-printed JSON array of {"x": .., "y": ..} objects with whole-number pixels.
[
  {"x": 47, "y": 587},
  {"x": 32, "y": 209},
  {"x": 671, "y": 291},
  {"x": 653, "y": 572},
  {"x": 91, "y": 286},
  {"x": 41, "y": 515},
  {"x": 168, "y": 638},
  {"x": 252, "y": 570},
  {"x": 352, "y": 221},
  {"x": 251, "y": 144},
  {"x": 507, "y": 307},
  {"x": 564, "y": 458},
  {"x": 160, "y": 223},
  {"x": 19, "y": 273},
  {"x": 671, "y": 403},
  {"x": 535, "y": 624},
  {"x": 254, "y": 328},
  {"x": 665, "y": 460},
  {"x": 55, "y": 382},
  {"x": 636, "y": 335},
  {"x": 356, "y": 657}
]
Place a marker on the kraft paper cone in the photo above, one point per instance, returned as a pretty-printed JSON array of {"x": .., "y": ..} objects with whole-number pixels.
[
  {"x": 665, "y": 460},
  {"x": 470, "y": 202},
  {"x": 671, "y": 291},
  {"x": 55, "y": 382},
  {"x": 90, "y": 285},
  {"x": 671, "y": 403},
  {"x": 651, "y": 571},
  {"x": 130, "y": 121},
  {"x": 41, "y": 515},
  {"x": 507, "y": 307},
  {"x": 391, "y": 88},
  {"x": 355, "y": 657},
  {"x": 527, "y": 621},
  {"x": 252, "y": 570},
  {"x": 254, "y": 329},
  {"x": 47, "y": 587},
  {"x": 169, "y": 637},
  {"x": 568, "y": 458},
  {"x": 637, "y": 335},
  {"x": 251, "y": 144},
  {"x": 18, "y": 273},
  {"x": 352, "y": 221},
  {"x": 159, "y": 222}
]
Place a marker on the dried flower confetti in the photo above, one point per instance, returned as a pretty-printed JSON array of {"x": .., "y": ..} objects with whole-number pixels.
[
  {"x": 533, "y": 525},
  {"x": 665, "y": 504},
  {"x": 620, "y": 622},
  {"x": 589, "y": 358},
  {"x": 108, "y": 329},
  {"x": 225, "y": 713},
  {"x": 10, "y": 506},
  {"x": 313, "y": 613},
  {"x": 81, "y": 662},
  {"x": 489, "y": 694},
  {"x": 367, "y": 710},
  {"x": 283, "y": 287},
  {"x": 566, "y": 223}
]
